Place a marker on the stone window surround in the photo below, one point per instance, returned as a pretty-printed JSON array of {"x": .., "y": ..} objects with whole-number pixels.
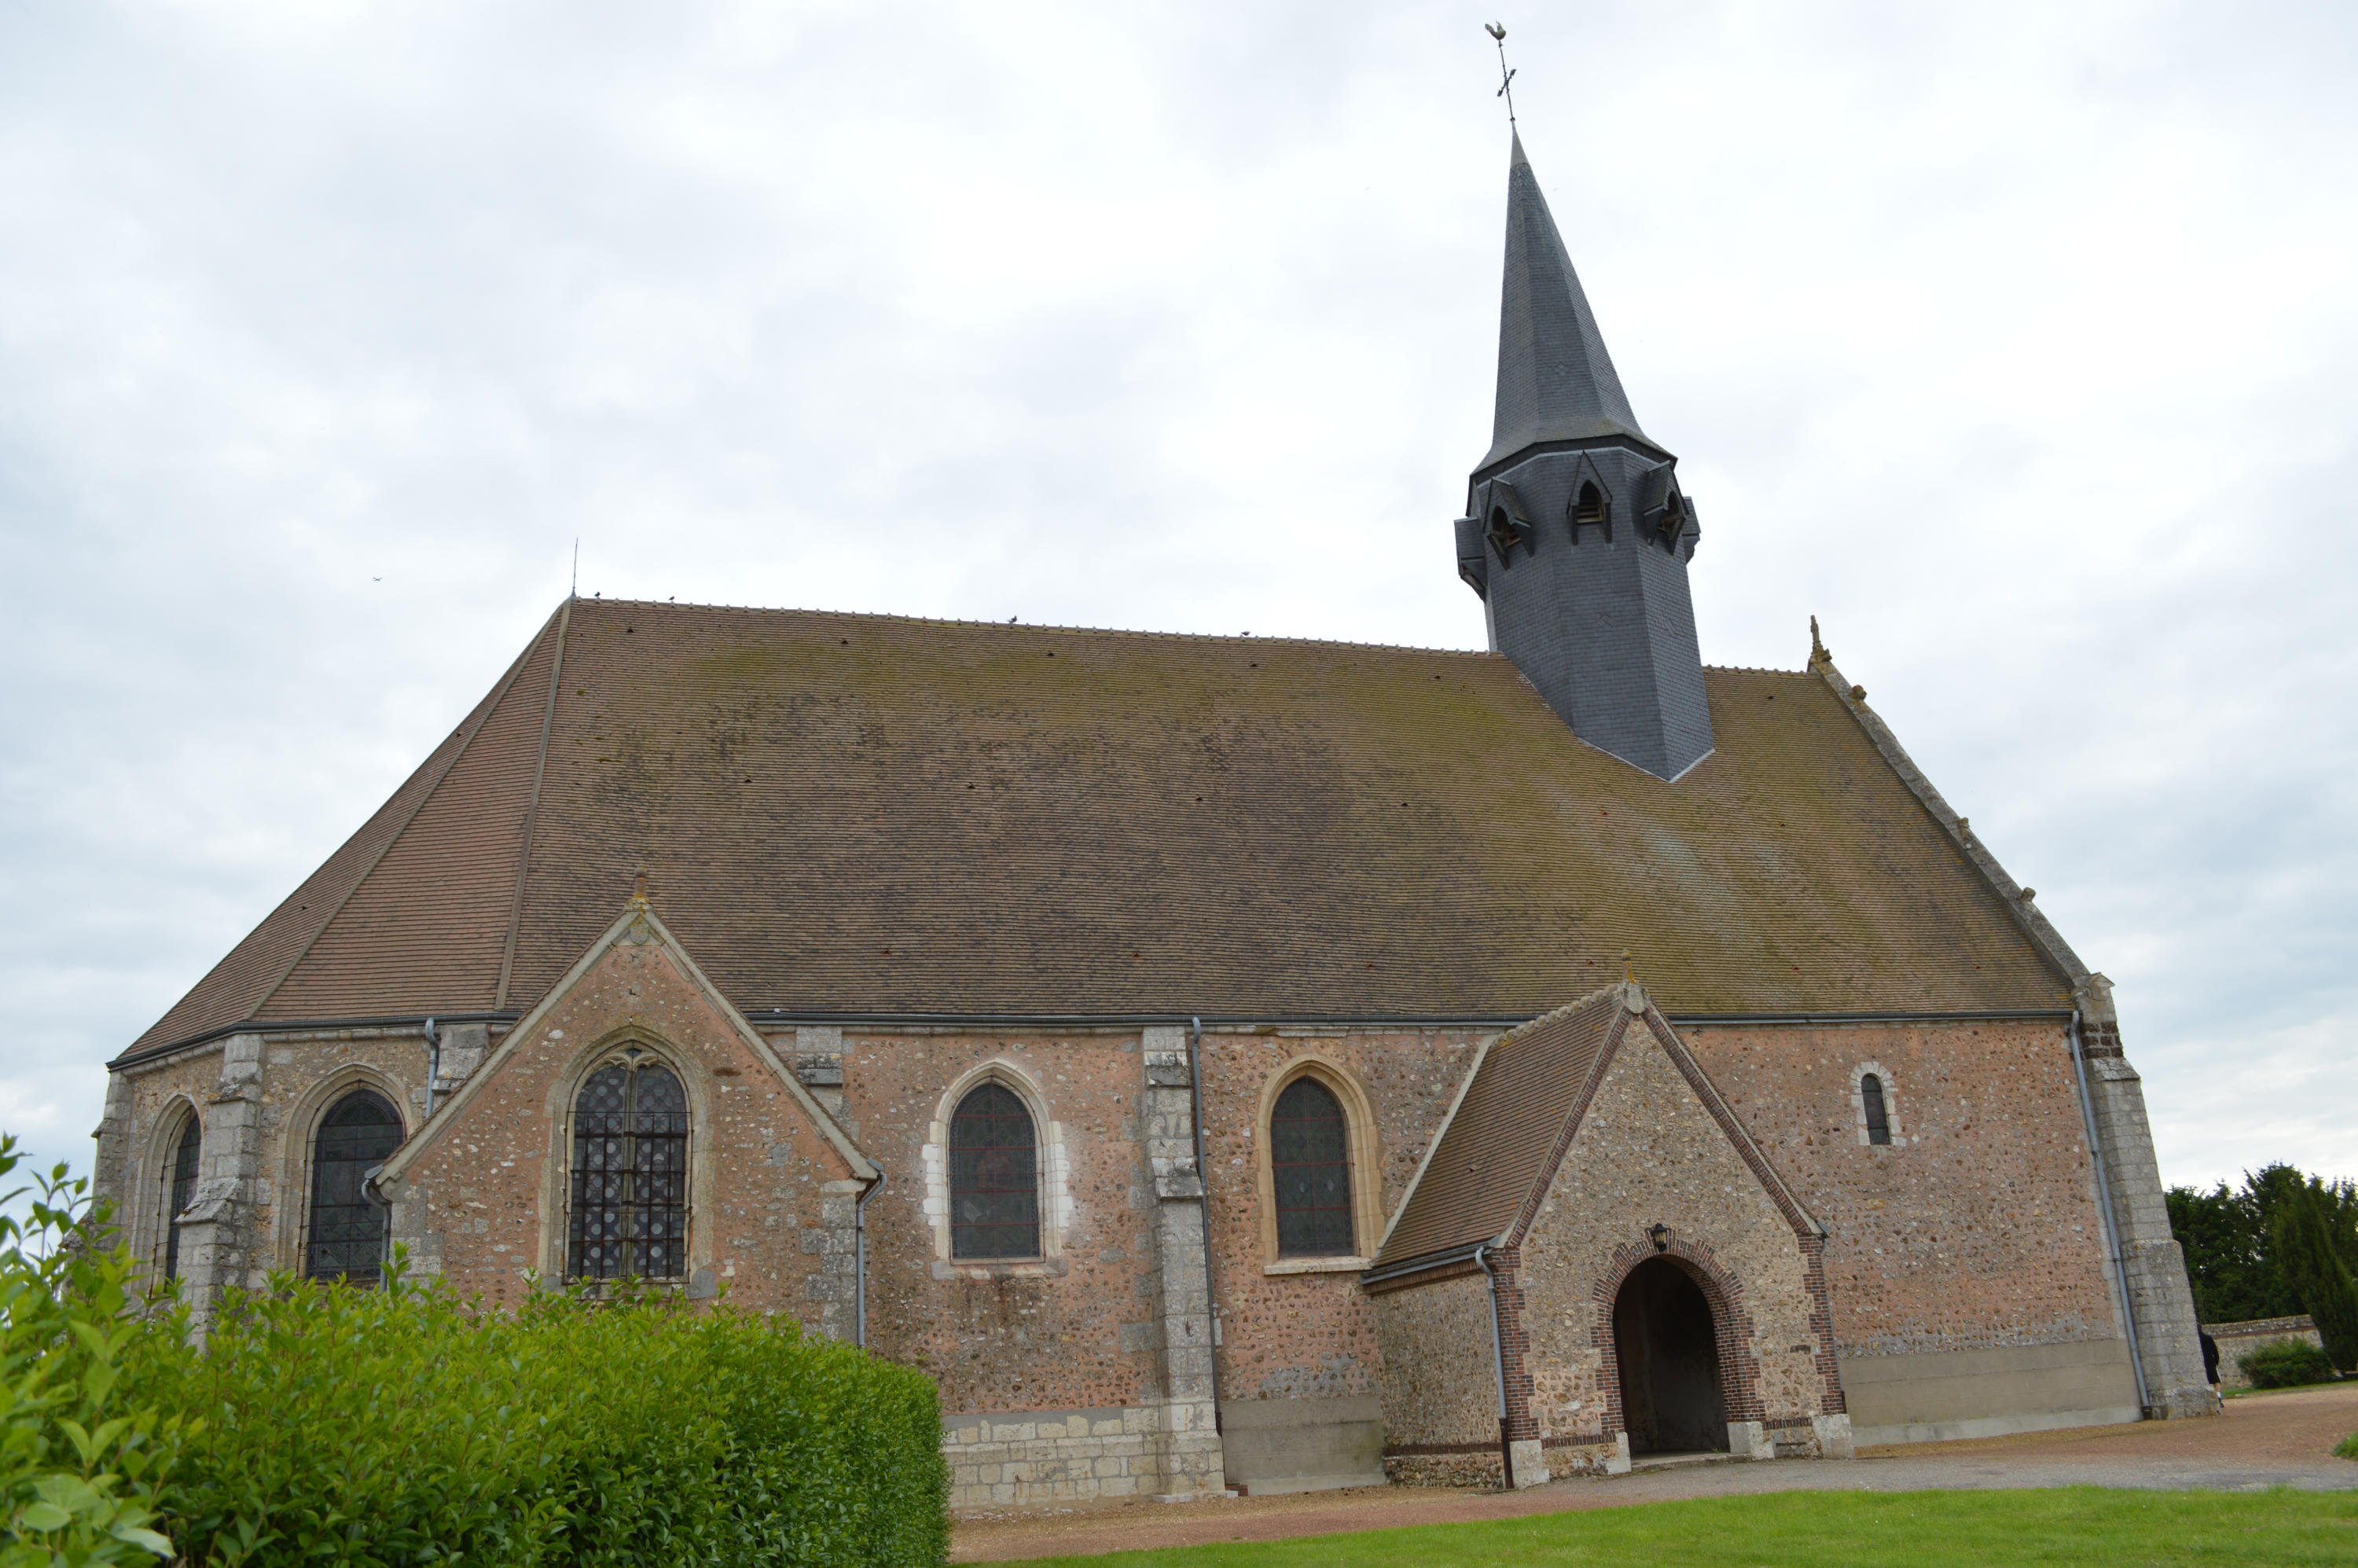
[
  {"x": 1365, "y": 1151},
  {"x": 290, "y": 1219},
  {"x": 1890, "y": 1103},
  {"x": 1053, "y": 1171},
  {"x": 148, "y": 1222},
  {"x": 557, "y": 1186}
]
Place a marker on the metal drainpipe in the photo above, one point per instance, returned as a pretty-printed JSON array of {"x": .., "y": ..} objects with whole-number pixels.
[
  {"x": 1497, "y": 1365},
  {"x": 2105, "y": 1213},
  {"x": 433, "y": 1064},
  {"x": 860, "y": 1257},
  {"x": 1203, "y": 1179}
]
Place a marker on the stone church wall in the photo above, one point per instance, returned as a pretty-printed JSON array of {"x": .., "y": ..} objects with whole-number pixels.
[
  {"x": 1966, "y": 1260},
  {"x": 1300, "y": 1348},
  {"x": 1650, "y": 1152},
  {"x": 1086, "y": 1372},
  {"x": 259, "y": 1098},
  {"x": 1441, "y": 1387},
  {"x": 483, "y": 1202}
]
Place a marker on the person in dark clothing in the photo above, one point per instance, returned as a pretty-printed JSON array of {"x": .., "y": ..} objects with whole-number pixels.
[{"x": 2209, "y": 1358}]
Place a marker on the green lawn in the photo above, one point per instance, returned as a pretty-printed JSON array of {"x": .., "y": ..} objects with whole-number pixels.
[{"x": 1919, "y": 1529}]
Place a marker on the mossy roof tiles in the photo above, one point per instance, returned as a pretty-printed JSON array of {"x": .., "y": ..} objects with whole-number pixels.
[{"x": 847, "y": 813}]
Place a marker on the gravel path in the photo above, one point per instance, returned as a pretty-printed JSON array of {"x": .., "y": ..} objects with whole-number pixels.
[{"x": 2265, "y": 1440}]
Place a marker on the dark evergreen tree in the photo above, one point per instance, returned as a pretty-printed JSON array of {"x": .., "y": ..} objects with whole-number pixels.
[
  {"x": 2319, "y": 1275},
  {"x": 2228, "y": 1235}
]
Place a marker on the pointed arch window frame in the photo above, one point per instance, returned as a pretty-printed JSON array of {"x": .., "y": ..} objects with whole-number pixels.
[
  {"x": 1363, "y": 1150},
  {"x": 675, "y": 1150},
  {"x": 309, "y": 1242},
  {"x": 175, "y": 1188},
  {"x": 1052, "y": 1163}
]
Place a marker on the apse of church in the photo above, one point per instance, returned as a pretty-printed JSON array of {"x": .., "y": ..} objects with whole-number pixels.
[{"x": 1219, "y": 1063}]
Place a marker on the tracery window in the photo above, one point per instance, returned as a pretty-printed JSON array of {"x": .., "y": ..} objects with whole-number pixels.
[
  {"x": 1878, "y": 1116},
  {"x": 994, "y": 1176},
  {"x": 1309, "y": 1170},
  {"x": 348, "y": 1226},
  {"x": 180, "y": 1185},
  {"x": 629, "y": 1216}
]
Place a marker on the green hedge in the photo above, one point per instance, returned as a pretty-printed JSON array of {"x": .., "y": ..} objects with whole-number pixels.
[
  {"x": 326, "y": 1424},
  {"x": 2286, "y": 1364}
]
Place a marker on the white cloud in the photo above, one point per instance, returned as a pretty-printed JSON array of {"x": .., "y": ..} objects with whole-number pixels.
[{"x": 2008, "y": 341}]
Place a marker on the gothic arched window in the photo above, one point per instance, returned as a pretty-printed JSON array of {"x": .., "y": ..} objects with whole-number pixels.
[
  {"x": 1878, "y": 1116},
  {"x": 994, "y": 1176},
  {"x": 630, "y": 1172},
  {"x": 180, "y": 1189},
  {"x": 359, "y": 1133},
  {"x": 1310, "y": 1172}
]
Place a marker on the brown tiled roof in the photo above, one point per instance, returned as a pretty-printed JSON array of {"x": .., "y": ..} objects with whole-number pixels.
[
  {"x": 865, "y": 814},
  {"x": 1522, "y": 1100},
  {"x": 1502, "y": 1135}
]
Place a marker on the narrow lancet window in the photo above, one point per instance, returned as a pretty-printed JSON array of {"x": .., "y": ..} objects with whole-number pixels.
[
  {"x": 348, "y": 1225},
  {"x": 1310, "y": 1172},
  {"x": 1879, "y": 1119},
  {"x": 181, "y": 1190},
  {"x": 630, "y": 1173},
  {"x": 994, "y": 1176}
]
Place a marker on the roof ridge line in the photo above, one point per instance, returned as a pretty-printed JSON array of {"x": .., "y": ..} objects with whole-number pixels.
[
  {"x": 498, "y": 697},
  {"x": 531, "y": 811},
  {"x": 1045, "y": 626}
]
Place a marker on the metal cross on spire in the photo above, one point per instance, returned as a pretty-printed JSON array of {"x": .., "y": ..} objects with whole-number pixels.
[{"x": 1506, "y": 77}]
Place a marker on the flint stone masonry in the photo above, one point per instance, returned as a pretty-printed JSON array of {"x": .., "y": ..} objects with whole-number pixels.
[
  {"x": 2237, "y": 1340},
  {"x": 1650, "y": 1152},
  {"x": 483, "y": 1200}
]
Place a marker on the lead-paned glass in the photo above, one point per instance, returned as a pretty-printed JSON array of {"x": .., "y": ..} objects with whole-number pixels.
[
  {"x": 1310, "y": 1167},
  {"x": 629, "y": 1212},
  {"x": 994, "y": 1176},
  {"x": 348, "y": 1225}
]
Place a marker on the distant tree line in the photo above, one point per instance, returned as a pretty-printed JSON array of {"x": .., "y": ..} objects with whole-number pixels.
[{"x": 2281, "y": 1245}]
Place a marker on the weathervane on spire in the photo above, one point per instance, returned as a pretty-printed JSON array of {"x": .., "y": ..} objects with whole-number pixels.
[{"x": 1506, "y": 77}]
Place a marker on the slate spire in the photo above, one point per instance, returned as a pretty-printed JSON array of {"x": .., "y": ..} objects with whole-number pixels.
[
  {"x": 1556, "y": 382},
  {"x": 1576, "y": 532}
]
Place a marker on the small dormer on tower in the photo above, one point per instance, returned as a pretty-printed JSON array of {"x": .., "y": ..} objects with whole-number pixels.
[{"x": 1577, "y": 535}]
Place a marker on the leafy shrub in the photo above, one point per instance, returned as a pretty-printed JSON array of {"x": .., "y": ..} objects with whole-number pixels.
[
  {"x": 2286, "y": 1364},
  {"x": 406, "y": 1425},
  {"x": 80, "y": 1470}
]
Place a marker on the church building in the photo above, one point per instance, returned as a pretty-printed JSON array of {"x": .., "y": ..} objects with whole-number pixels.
[{"x": 1241, "y": 1063}]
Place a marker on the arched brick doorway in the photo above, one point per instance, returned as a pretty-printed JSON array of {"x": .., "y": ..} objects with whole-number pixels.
[{"x": 1663, "y": 1337}]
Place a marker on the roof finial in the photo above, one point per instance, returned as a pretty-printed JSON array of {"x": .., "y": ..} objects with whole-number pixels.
[
  {"x": 1818, "y": 655},
  {"x": 1506, "y": 77},
  {"x": 1627, "y": 978},
  {"x": 639, "y": 891}
]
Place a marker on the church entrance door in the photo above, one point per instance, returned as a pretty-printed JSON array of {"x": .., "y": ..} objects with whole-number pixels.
[{"x": 1662, "y": 1332}]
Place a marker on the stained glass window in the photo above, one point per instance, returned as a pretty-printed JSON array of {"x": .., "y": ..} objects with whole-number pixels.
[
  {"x": 629, "y": 1215},
  {"x": 1310, "y": 1165},
  {"x": 359, "y": 1133},
  {"x": 1879, "y": 1119},
  {"x": 181, "y": 1190},
  {"x": 994, "y": 1177}
]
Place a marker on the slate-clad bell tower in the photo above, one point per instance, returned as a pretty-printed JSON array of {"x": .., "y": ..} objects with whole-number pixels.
[{"x": 1576, "y": 536}]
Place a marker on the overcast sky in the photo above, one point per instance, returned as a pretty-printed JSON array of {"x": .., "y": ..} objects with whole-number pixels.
[{"x": 2014, "y": 341}]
